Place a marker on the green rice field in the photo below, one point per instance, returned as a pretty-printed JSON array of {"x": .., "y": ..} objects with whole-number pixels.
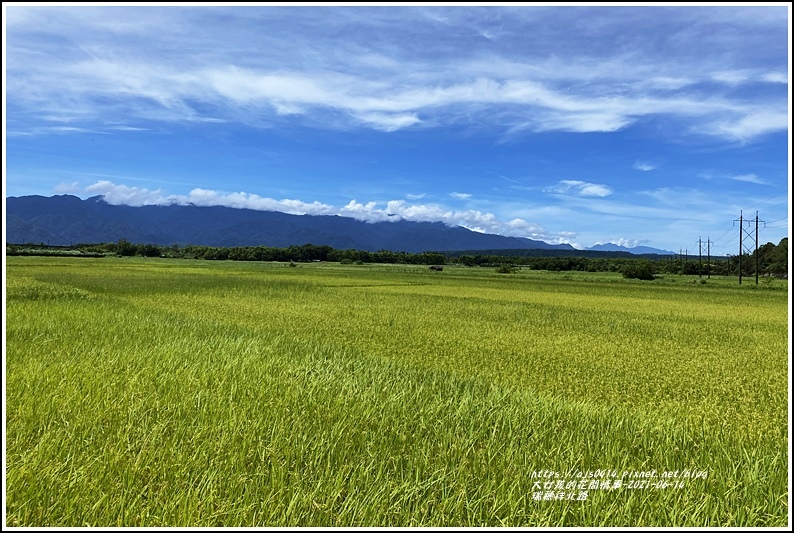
[{"x": 155, "y": 392}]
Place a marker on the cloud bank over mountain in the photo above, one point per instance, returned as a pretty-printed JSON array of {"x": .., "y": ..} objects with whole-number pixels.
[{"x": 389, "y": 211}]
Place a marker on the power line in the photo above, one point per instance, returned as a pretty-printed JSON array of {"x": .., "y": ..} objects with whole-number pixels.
[
  {"x": 768, "y": 199},
  {"x": 724, "y": 234},
  {"x": 767, "y": 225}
]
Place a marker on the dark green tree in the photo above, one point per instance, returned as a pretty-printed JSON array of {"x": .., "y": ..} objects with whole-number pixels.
[
  {"x": 126, "y": 248},
  {"x": 641, "y": 269}
]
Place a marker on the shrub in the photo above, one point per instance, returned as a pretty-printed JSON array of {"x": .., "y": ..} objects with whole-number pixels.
[{"x": 506, "y": 269}]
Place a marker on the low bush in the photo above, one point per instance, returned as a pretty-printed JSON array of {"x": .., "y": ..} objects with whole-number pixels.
[{"x": 506, "y": 269}]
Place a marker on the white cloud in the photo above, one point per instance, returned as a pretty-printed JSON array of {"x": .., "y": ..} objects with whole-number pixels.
[
  {"x": 644, "y": 166},
  {"x": 50, "y": 130},
  {"x": 137, "y": 196},
  {"x": 185, "y": 75},
  {"x": 388, "y": 122},
  {"x": 583, "y": 122},
  {"x": 67, "y": 188},
  {"x": 666, "y": 83},
  {"x": 731, "y": 77},
  {"x": 243, "y": 200},
  {"x": 737, "y": 77},
  {"x": 775, "y": 77},
  {"x": 421, "y": 212},
  {"x": 124, "y": 195},
  {"x": 368, "y": 212},
  {"x": 593, "y": 189},
  {"x": 580, "y": 188},
  {"x": 620, "y": 241},
  {"x": 391, "y": 211},
  {"x": 750, "y": 178},
  {"x": 748, "y": 125},
  {"x": 460, "y": 195},
  {"x": 520, "y": 227}
]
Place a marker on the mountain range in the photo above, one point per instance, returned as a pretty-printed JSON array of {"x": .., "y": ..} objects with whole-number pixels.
[{"x": 64, "y": 219}]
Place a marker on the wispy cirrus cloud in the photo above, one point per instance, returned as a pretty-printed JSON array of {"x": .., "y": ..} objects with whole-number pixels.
[
  {"x": 749, "y": 178},
  {"x": 748, "y": 125},
  {"x": 775, "y": 77},
  {"x": 49, "y": 130},
  {"x": 644, "y": 166},
  {"x": 580, "y": 188},
  {"x": 372, "y": 79},
  {"x": 127, "y": 128},
  {"x": 749, "y": 75}
]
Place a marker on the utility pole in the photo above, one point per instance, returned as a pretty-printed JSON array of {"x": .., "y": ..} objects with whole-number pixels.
[
  {"x": 681, "y": 260},
  {"x": 756, "y": 246},
  {"x": 708, "y": 264},
  {"x": 740, "y": 246}
]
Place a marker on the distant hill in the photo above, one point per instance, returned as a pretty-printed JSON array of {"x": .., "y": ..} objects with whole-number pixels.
[
  {"x": 66, "y": 219},
  {"x": 637, "y": 250}
]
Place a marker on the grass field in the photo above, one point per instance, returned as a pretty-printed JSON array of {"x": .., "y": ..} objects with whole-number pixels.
[{"x": 190, "y": 393}]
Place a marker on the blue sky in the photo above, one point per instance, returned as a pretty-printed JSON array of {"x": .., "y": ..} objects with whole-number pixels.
[{"x": 643, "y": 125}]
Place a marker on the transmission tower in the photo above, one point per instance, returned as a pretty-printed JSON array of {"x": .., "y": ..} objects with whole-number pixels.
[
  {"x": 748, "y": 234},
  {"x": 708, "y": 257}
]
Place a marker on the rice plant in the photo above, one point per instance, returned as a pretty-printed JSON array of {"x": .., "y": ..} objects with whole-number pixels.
[{"x": 191, "y": 393}]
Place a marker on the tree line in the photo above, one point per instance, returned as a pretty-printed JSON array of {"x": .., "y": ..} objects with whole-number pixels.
[
  {"x": 772, "y": 259},
  {"x": 304, "y": 253}
]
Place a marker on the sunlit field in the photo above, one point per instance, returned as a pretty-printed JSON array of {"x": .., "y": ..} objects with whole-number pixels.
[{"x": 152, "y": 392}]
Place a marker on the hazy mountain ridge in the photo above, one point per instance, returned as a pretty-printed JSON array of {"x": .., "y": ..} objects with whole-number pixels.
[
  {"x": 66, "y": 219},
  {"x": 637, "y": 250}
]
